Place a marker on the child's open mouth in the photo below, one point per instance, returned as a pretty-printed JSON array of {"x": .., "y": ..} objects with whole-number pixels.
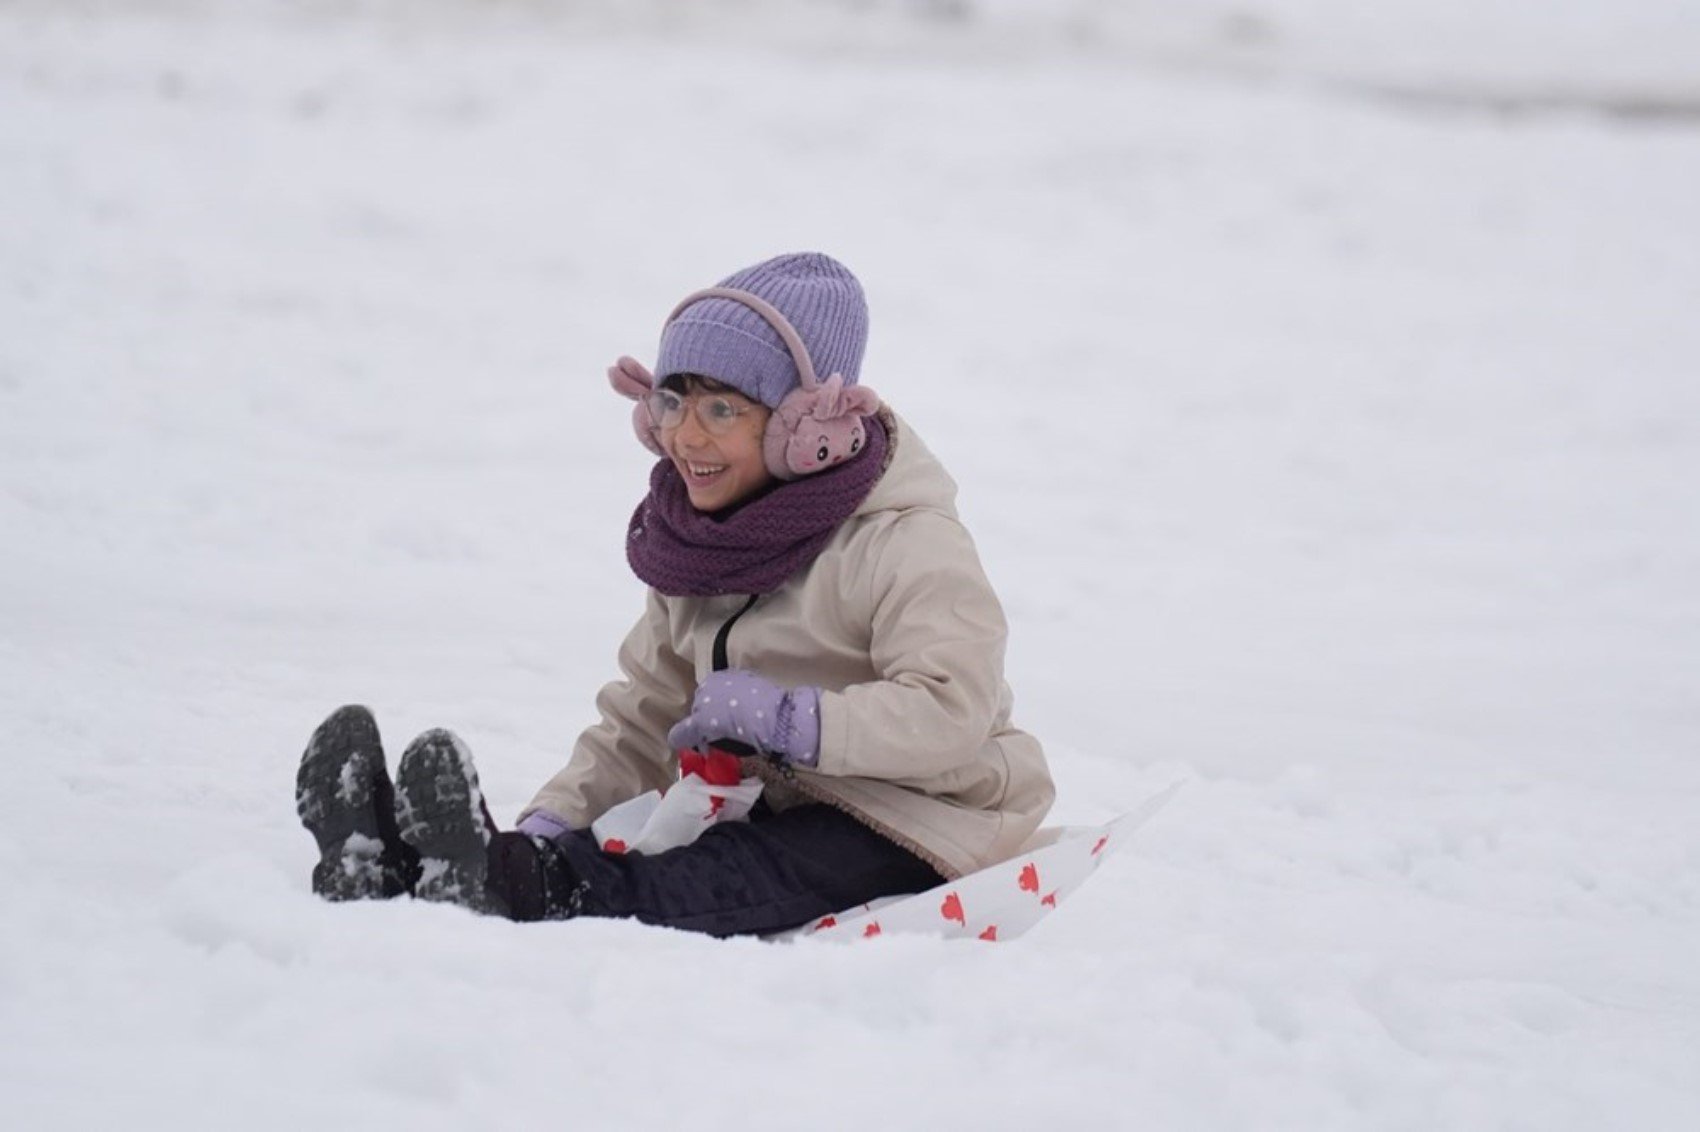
[{"x": 703, "y": 474}]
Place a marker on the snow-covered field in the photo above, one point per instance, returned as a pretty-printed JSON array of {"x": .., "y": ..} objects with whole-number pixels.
[{"x": 1335, "y": 455}]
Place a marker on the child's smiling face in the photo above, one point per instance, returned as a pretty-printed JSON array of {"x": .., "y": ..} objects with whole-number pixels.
[{"x": 720, "y": 468}]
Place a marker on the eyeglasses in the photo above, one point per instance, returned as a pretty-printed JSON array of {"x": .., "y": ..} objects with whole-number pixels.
[{"x": 715, "y": 413}]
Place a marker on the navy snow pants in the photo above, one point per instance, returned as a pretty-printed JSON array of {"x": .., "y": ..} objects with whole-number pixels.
[{"x": 771, "y": 873}]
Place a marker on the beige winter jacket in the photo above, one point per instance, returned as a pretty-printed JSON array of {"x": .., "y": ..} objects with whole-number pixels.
[{"x": 897, "y": 625}]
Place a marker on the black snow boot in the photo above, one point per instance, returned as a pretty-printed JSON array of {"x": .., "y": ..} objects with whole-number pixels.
[
  {"x": 532, "y": 879},
  {"x": 344, "y": 797},
  {"x": 442, "y": 815}
]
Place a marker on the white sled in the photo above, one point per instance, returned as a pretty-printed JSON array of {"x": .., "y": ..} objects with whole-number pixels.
[{"x": 1002, "y": 901}]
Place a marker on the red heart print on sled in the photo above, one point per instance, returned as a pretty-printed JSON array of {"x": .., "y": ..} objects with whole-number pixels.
[
  {"x": 1099, "y": 847},
  {"x": 990, "y": 934},
  {"x": 1050, "y": 901},
  {"x": 614, "y": 845},
  {"x": 871, "y": 930},
  {"x": 951, "y": 909},
  {"x": 826, "y": 922},
  {"x": 1029, "y": 880}
]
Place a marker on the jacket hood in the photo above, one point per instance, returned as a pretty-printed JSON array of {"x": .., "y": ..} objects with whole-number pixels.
[{"x": 914, "y": 479}]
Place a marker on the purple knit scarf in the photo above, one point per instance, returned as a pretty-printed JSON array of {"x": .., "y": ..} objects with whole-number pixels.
[{"x": 753, "y": 548}]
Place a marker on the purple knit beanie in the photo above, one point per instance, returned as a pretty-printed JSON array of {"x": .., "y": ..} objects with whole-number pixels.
[{"x": 727, "y": 341}]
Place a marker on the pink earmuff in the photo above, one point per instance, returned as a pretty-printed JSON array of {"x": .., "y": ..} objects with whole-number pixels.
[
  {"x": 817, "y": 425},
  {"x": 813, "y": 429},
  {"x": 630, "y": 379}
]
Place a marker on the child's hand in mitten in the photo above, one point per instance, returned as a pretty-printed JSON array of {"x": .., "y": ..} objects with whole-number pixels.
[
  {"x": 541, "y": 823},
  {"x": 744, "y": 707}
]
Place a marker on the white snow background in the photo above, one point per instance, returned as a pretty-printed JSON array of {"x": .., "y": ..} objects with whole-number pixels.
[{"x": 1323, "y": 392}]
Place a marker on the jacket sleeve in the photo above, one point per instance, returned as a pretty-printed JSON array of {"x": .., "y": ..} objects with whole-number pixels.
[
  {"x": 937, "y": 643},
  {"x": 627, "y": 753}
]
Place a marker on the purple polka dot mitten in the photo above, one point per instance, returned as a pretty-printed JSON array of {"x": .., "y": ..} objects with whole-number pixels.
[{"x": 748, "y": 708}]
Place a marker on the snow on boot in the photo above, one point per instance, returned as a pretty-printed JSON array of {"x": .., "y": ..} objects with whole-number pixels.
[
  {"x": 344, "y": 798},
  {"x": 441, "y": 812}
]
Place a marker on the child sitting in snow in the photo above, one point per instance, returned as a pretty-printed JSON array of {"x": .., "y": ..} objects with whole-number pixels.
[{"x": 815, "y": 605}]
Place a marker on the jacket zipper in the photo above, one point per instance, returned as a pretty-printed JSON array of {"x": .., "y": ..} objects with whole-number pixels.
[{"x": 721, "y": 664}]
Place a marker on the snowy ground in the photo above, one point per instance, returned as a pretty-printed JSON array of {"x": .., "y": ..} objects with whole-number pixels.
[{"x": 1334, "y": 456}]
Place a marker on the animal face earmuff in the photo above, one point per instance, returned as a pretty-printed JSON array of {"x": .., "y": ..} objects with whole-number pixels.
[{"x": 815, "y": 426}]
